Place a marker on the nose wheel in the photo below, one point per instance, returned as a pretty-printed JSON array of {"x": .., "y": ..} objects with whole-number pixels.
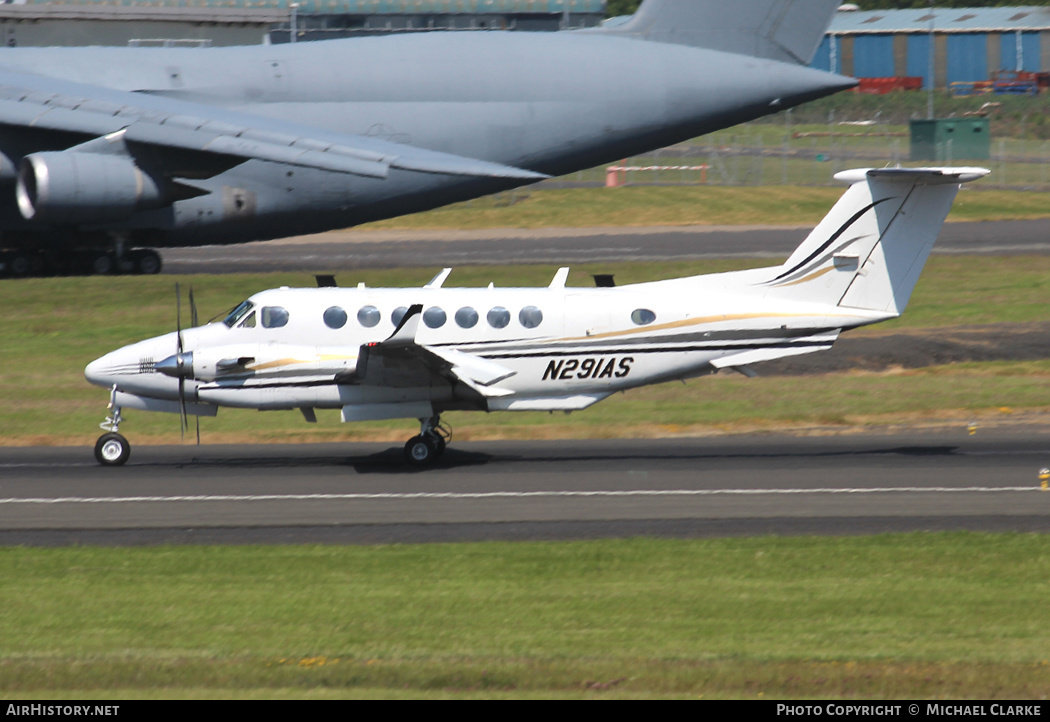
[
  {"x": 425, "y": 449},
  {"x": 112, "y": 449}
]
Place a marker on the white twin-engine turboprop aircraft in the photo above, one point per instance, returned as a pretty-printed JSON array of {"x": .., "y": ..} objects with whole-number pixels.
[{"x": 419, "y": 352}]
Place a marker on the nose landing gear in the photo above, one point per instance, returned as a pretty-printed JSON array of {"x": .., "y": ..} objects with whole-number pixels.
[
  {"x": 425, "y": 449},
  {"x": 112, "y": 449}
]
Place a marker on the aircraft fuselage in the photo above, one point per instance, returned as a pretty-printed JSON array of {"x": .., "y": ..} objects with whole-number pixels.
[{"x": 550, "y": 103}]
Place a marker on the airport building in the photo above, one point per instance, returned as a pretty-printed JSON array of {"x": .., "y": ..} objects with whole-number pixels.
[
  {"x": 246, "y": 22},
  {"x": 969, "y": 45}
]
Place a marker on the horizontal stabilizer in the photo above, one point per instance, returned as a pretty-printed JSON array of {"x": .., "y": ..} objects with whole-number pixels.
[{"x": 752, "y": 356}]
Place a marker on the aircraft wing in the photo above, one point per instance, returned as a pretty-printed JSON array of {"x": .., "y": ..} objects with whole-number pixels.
[
  {"x": 189, "y": 139},
  {"x": 401, "y": 362}
]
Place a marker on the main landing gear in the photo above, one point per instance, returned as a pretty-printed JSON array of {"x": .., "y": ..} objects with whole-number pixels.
[
  {"x": 112, "y": 449},
  {"x": 425, "y": 449},
  {"x": 28, "y": 264}
]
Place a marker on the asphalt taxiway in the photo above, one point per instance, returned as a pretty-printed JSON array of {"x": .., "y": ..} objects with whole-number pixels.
[
  {"x": 356, "y": 249},
  {"x": 693, "y": 487}
]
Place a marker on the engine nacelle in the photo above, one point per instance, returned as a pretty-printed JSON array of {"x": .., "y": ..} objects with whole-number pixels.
[{"x": 64, "y": 188}]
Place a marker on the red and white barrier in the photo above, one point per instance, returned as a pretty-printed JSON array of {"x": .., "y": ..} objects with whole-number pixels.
[{"x": 616, "y": 175}]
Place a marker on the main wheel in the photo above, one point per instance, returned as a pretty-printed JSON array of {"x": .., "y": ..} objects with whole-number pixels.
[
  {"x": 420, "y": 451},
  {"x": 102, "y": 264},
  {"x": 147, "y": 262},
  {"x": 112, "y": 449},
  {"x": 20, "y": 265}
]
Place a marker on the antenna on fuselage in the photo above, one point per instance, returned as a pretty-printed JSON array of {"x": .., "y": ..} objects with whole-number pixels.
[
  {"x": 326, "y": 282},
  {"x": 604, "y": 280}
]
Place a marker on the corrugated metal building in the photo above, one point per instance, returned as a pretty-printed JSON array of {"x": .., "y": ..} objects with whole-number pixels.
[
  {"x": 969, "y": 44},
  {"x": 238, "y": 22}
]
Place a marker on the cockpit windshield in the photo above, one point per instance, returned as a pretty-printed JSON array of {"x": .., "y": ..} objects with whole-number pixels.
[{"x": 238, "y": 313}]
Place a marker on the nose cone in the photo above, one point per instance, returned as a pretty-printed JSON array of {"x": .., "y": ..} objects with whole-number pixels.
[
  {"x": 134, "y": 369},
  {"x": 113, "y": 368}
]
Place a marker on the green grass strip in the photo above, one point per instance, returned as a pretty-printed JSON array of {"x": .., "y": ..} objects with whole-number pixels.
[
  {"x": 912, "y": 615},
  {"x": 684, "y": 205}
]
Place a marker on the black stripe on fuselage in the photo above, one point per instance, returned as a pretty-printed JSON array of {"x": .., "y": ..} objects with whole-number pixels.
[{"x": 662, "y": 350}]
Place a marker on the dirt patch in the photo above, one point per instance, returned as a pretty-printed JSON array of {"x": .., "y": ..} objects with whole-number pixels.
[{"x": 921, "y": 348}]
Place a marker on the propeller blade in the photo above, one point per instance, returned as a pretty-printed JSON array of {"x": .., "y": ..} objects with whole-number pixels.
[
  {"x": 178, "y": 350},
  {"x": 178, "y": 317},
  {"x": 183, "y": 423},
  {"x": 193, "y": 309}
]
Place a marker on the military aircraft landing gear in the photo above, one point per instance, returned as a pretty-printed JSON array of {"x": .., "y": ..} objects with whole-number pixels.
[
  {"x": 425, "y": 449},
  {"x": 112, "y": 449}
]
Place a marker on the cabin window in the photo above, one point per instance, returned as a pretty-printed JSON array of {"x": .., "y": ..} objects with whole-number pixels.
[
  {"x": 335, "y": 317},
  {"x": 238, "y": 313},
  {"x": 530, "y": 317},
  {"x": 434, "y": 317},
  {"x": 273, "y": 317},
  {"x": 498, "y": 317},
  {"x": 467, "y": 317},
  {"x": 369, "y": 316},
  {"x": 398, "y": 314},
  {"x": 643, "y": 316}
]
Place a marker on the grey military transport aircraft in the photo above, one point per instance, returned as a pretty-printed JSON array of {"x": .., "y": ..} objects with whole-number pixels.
[{"x": 109, "y": 153}]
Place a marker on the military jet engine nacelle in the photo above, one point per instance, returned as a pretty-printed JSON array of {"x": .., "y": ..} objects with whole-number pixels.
[{"x": 73, "y": 188}]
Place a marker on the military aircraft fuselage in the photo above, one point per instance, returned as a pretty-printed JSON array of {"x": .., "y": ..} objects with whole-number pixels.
[{"x": 549, "y": 103}]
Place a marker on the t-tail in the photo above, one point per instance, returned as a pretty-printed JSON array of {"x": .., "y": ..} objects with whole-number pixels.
[
  {"x": 785, "y": 30},
  {"x": 869, "y": 250}
]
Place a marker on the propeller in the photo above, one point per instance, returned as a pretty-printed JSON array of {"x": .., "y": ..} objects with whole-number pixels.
[
  {"x": 181, "y": 364},
  {"x": 179, "y": 361}
]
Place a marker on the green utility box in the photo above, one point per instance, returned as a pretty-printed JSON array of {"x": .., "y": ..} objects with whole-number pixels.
[{"x": 947, "y": 140}]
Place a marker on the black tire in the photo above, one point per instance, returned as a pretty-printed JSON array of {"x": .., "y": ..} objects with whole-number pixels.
[
  {"x": 147, "y": 262},
  {"x": 20, "y": 265},
  {"x": 420, "y": 451},
  {"x": 102, "y": 264},
  {"x": 112, "y": 449}
]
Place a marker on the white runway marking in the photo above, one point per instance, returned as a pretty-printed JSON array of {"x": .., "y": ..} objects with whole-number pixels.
[{"x": 515, "y": 494}]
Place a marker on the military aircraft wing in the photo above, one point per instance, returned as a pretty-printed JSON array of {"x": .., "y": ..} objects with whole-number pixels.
[
  {"x": 116, "y": 121},
  {"x": 401, "y": 361}
]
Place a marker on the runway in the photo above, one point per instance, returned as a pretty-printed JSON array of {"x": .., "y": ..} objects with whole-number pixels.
[
  {"x": 352, "y": 250},
  {"x": 542, "y": 490}
]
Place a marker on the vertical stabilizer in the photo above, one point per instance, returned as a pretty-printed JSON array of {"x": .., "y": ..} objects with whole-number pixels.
[
  {"x": 785, "y": 30},
  {"x": 869, "y": 250}
]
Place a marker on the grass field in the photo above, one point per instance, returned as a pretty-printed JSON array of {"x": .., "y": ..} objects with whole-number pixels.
[
  {"x": 684, "y": 205},
  {"x": 48, "y": 340},
  {"x": 901, "y": 616}
]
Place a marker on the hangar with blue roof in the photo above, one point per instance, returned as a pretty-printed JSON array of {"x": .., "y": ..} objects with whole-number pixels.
[{"x": 969, "y": 44}]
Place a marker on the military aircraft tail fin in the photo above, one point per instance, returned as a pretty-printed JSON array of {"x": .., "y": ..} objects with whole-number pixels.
[
  {"x": 785, "y": 30},
  {"x": 869, "y": 250}
]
